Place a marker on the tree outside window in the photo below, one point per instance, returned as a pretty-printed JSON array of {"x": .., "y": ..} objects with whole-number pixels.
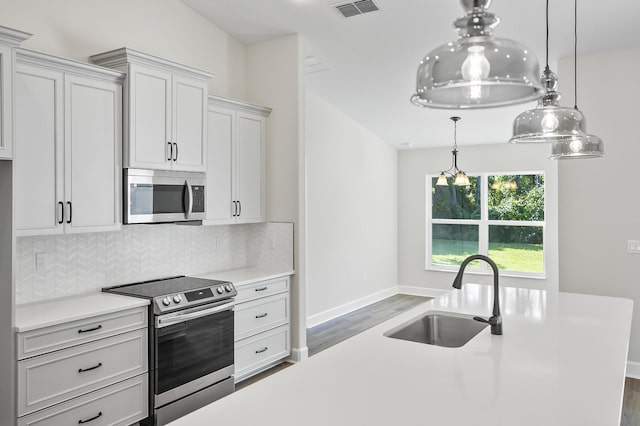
[{"x": 499, "y": 215}]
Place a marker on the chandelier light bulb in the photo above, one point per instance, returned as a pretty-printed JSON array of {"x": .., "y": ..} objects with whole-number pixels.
[
  {"x": 549, "y": 122},
  {"x": 476, "y": 67}
]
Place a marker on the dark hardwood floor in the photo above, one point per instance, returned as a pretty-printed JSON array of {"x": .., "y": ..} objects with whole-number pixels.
[{"x": 335, "y": 331}]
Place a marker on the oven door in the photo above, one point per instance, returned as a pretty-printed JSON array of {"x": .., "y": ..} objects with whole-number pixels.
[{"x": 194, "y": 349}]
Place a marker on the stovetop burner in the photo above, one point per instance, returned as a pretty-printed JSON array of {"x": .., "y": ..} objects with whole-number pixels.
[{"x": 174, "y": 293}]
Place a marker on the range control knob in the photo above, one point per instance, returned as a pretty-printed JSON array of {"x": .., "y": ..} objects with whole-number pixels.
[
  {"x": 177, "y": 298},
  {"x": 166, "y": 301},
  {"x": 228, "y": 288},
  {"x": 220, "y": 290}
]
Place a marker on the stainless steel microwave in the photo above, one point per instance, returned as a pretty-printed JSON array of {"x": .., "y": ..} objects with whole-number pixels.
[{"x": 163, "y": 196}]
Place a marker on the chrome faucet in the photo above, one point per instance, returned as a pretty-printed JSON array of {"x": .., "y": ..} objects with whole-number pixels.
[{"x": 496, "y": 320}]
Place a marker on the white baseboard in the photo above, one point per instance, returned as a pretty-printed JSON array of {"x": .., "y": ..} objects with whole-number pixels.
[
  {"x": 633, "y": 369},
  {"x": 421, "y": 291},
  {"x": 332, "y": 313},
  {"x": 298, "y": 354}
]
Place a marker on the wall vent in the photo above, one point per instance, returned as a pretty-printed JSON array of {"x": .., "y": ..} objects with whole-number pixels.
[{"x": 356, "y": 8}]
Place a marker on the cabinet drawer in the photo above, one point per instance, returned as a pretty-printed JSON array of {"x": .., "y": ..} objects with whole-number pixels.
[
  {"x": 121, "y": 404},
  {"x": 48, "y": 339},
  {"x": 261, "y": 315},
  {"x": 258, "y": 351},
  {"x": 58, "y": 376},
  {"x": 262, "y": 289}
]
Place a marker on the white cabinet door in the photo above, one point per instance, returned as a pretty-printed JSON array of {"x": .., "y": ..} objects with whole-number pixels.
[
  {"x": 149, "y": 136},
  {"x": 219, "y": 195},
  {"x": 189, "y": 124},
  {"x": 38, "y": 156},
  {"x": 5, "y": 102},
  {"x": 93, "y": 111},
  {"x": 250, "y": 152}
]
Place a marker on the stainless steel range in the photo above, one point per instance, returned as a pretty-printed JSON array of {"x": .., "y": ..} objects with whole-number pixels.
[{"x": 190, "y": 343}]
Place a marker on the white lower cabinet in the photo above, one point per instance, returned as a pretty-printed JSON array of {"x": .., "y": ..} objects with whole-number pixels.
[
  {"x": 262, "y": 329},
  {"x": 93, "y": 370},
  {"x": 121, "y": 404}
]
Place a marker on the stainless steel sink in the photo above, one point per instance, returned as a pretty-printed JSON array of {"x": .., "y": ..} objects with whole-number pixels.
[{"x": 439, "y": 328}]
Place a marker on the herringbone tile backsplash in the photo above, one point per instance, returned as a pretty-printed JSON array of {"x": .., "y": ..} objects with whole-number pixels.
[{"x": 80, "y": 263}]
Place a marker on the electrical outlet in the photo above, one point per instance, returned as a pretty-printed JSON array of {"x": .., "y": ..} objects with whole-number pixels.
[
  {"x": 273, "y": 244},
  {"x": 40, "y": 259},
  {"x": 218, "y": 243},
  {"x": 633, "y": 246}
]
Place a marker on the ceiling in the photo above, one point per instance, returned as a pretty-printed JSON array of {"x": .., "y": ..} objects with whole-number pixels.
[{"x": 369, "y": 62}]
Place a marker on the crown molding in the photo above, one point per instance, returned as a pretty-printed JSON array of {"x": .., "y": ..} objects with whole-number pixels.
[
  {"x": 12, "y": 36},
  {"x": 25, "y": 56},
  {"x": 119, "y": 58},
  {"x": 234, "y": 103}
]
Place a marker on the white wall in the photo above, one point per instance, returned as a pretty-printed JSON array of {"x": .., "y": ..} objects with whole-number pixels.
[
  {"x": 599, "y": 198},
  {"x": 352, "y": 212},
  {"x": 275, "y": 79},
  {"x": 77, "y": 29},
  {"x": 413, "y": 165}
]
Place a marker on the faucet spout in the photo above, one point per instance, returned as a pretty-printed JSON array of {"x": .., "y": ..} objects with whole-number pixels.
[{"x": 496, "y": 319}]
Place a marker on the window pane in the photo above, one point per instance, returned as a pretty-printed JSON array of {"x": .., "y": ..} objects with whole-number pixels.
[
  {"x": 516, "y": 248},
  {"x": 451, "y": 244},
  {"x": 456, "y": 202},
  {"x": 516, "y": 197}
]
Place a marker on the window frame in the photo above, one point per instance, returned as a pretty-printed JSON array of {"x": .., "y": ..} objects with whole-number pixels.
[{"x": 483, "y": 227}]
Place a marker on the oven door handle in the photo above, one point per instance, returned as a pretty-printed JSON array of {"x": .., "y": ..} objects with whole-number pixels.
[{"x": 164, "y": 321}]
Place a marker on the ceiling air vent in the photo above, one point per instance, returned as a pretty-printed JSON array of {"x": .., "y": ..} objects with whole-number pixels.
[{"x": 357, "y": 8}]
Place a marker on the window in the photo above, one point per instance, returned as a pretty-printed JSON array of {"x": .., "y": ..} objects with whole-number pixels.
[{"x": 498, "y": 215}]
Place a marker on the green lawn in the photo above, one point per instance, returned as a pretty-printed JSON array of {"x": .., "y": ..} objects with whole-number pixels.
[{"x": 509, "y": 256}]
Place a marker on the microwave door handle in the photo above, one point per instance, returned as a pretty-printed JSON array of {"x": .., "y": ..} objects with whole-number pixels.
[
  {"x": 189, "y": 203},
  {"x": 179, "y": 317}
]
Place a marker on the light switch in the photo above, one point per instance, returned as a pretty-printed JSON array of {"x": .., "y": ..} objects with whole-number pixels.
[{"x": 633, "y": 246}]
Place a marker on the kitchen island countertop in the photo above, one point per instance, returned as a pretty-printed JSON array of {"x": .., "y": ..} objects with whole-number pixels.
[{"x": 561, "y": 361}]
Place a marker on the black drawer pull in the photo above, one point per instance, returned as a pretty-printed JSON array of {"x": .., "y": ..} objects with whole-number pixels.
[
  {"x": 82, "y": 370},
  {"x": 261, "y": 315},
  {"x": 261, "y": 288},
  {"x": 259, "y": 351},
  {"x": 91, "y": 419},
  {"x": 87, "y": 330}
]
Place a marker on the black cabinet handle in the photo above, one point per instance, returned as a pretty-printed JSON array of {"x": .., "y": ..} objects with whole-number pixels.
[
  {"x": 259, "y": 351},
  {"x": 91, "y": 419},
  {"x": 261, "y": 288},
  {"x": 61, "y": 204},
  {"x": 176, "y": 157},
  {"x": 235, "y": 209},
  {"x": 82, "y": 370},
  {"x": 261, "y": 315},
  {"x": 70, "y": 212},
  {"x": 239, "y": 209},
  {"x": 171, "y": 153},
  {"x": 87, "y": 330}
]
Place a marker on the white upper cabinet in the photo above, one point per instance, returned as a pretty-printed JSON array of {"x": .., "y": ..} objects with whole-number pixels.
[
  {"x": 165, "y": 111},
  {"x": 67, "y": 168},
  {"x": 9, "y": 39},
  {"x": 236, "y": 162}
]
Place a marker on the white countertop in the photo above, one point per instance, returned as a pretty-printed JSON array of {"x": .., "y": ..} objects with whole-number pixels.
[
  {"x": 50, "y": 312},
  {"x": 561, "y": 361},
  {"x": 243, "y": 276}
]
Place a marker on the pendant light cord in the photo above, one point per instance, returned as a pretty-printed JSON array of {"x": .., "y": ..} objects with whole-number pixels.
[
  {"x": 547, "y": 39},
  {"x": 575, "y": 54}
]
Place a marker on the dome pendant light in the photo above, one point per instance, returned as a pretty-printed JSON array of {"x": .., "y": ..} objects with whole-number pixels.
[
  {"x": 582, "y": 144},
  {"x": 459, "y": 177},
  {"x": 477, "y": 70},
  {"x": 549, "y": 122}
]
